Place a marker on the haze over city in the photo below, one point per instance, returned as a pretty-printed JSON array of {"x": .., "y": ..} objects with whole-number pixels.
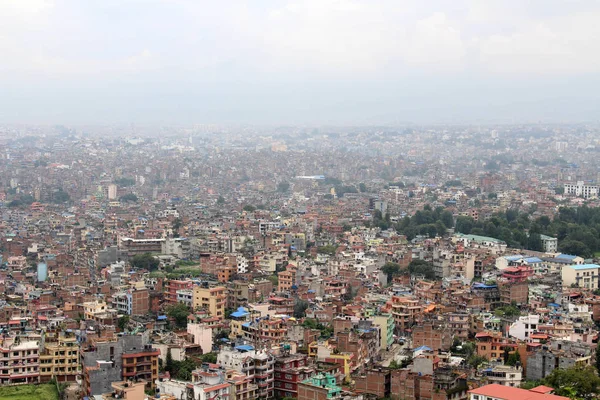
[
  {"x": 299, "y": 200},
  {"x": 299, "y": 62}
]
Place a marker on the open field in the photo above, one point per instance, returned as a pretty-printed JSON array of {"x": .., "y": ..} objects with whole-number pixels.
[{"x": 29, "y": 392}]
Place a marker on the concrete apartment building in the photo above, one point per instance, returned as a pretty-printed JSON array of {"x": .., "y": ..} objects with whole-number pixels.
[
  {"x": 59, "y": 359},
  {"x": 208, "y": 383},
  {"x": 386, "y": 325},
  {"x": 132, "y": 302},
  {"x": 174, "y": 285},
  {"x": 504, "y": 375},
  {"x": 126, "y": 390},
  {"x": 211, "y": 299},
  {"x": 133, "y": 247},
  {"x": 322, "y": 386},
  {"x": 559, "y": 354},
  {"x": 20, "y": 361},
  {"x": 256, "y": 365},
  {"x": 583, "y": 276},
  {"x": 580, "y": 189},
  {"x": 405, "y": 311},
  {"x": 287, "y": 279},
  {"x": 127, "y": 357}
]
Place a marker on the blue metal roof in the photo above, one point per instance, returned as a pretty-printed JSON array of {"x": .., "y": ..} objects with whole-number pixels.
[
  {"x": 532, "y": 260},
  {"x": 584, "y": 266},
  {"x": 161, "y": 317},
  {"x": 239, "y": 313},
  {"x": 244, "y": 347},
  {"x": 566, "y": 256}
]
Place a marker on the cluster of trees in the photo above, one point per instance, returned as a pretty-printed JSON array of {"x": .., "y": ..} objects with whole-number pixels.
[
  {"x": 283, "y": 187},
  {"x": 402, "y": 364},
  {"x": 179, "y": 312},
  {"x": 427, "y": 222},
  {"x": 574, "y": 383},
  {"x": 145, "y": 261},
  {"x": 577, "y": 229},
  {"x": 300, "y": 308},
  {"x": 182, "y": 370},
  {"x": 59, "y": 196},
  {"x": 507, "y": 311},
  {"x": 24, "y": 200},
  {"x": 129, "y": 197},
  {"x": 327, "y": 249},
  {"x": 124, "y": 182},
  {"x": 416, "y": 267},
  {"x": 326, "y": 330}
]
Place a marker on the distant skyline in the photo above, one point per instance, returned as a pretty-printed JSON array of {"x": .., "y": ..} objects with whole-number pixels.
[{"x": 299, "y": 61}]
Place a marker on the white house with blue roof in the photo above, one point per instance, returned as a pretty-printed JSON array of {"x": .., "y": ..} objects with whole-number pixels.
[{"x": 582, "y": 275}]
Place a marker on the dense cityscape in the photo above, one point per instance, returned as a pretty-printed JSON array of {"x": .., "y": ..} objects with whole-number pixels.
[{"x": 216, "y": 262}]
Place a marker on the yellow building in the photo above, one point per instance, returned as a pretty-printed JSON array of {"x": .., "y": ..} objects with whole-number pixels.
[
  {"x": 60, "y": 359},
  {"x": 210, "y": 299},
  {"x": 93, "y": 308},
  {"x": 583, "y": 276}
]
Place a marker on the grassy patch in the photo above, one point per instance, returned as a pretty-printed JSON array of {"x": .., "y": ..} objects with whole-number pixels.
[{"x": 29, "y": 392}]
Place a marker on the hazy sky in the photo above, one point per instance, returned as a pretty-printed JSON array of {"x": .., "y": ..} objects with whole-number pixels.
[{"x": 299, "y": 61}]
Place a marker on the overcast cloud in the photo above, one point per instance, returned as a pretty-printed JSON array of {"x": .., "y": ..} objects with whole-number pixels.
[{"x": 299, "y": 61}]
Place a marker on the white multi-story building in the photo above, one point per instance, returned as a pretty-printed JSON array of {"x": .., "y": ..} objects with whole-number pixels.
[
  {"x": 207, "y": 384},
  {"x": 580, "y": 189},
  {"x": 523, "y": 327},
  {"x": 550, "y": 244},
  {"x": 242, "y": 264},
  {"x": 504, "y": 375},
  {"x": 112, "y": 191},
  {"x": 185, "y": 296},
  {"x": 259, "y": 366}
]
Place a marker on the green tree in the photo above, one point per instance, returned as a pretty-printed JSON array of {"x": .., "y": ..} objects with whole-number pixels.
[
  {"x": 122, "y": 322},
  {"x": 179, "y": 312},
  {"x": 447, "y": 219},
  {"x": 283, "y": 187},
  {"x": 169, "y": 364},
  {"x": 513, "y": 358},
  {"x": 422, "y": 267},
  {"x": 220, "y": 201},
  {"x": 60, "y": 196},
  {"x": 249, "y": 208},
  {"x": 598, "y": 357},
  {"x": 476, "y": 360},
  {"x": 464, "y": 224},
  {"x": 582, "y": 382},
  {"x": 129, "y": 198},
  {"x": 574, "y": 247},
  {"x": 391, "y": 269},
  {"x": 534, "y": 242},
  {"x": 327, "y": 249},
  {"x": 300, "y": 308},
  {"x": 125, "y": 182},
  {"x": 209, "y": 358},
  {"x": 362, "y": 187},
  {"x": 145, "y": 261}
]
